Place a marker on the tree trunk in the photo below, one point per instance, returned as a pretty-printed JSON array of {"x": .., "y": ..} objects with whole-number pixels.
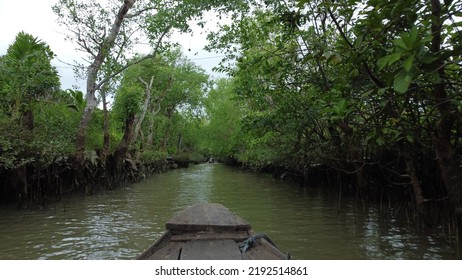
[
  {"x": 28, "y": 120},
  {"x": 167, "y": 133},
  {"x": 415, "y": 183},
  {"x": 92, "y": 76},
  {"x": 164, "y": 143},
  {"x": 451, "y": 172},
  {"x": 150, "y": 137},
  {"x": 180, "y": 142},
  {"x": 121, "y": 153},
  {"x": 165, "y": 138},
  {"x": 19, "y": 184},
  {"x": 356, "y": 158},
  {"x": 155, "y": 108},
  {"x": 82, "y": 130},
  {"x": 106, "y": 138},
  {"x": 147, "y": 101}
]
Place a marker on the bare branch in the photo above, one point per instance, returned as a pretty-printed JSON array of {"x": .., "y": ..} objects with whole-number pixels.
[
  {"x": 141, "y": 11},
  {"x": 134, "y": 62}
]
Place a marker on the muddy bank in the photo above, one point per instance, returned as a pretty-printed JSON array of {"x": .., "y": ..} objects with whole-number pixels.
[{"x": 33, "y": 186}]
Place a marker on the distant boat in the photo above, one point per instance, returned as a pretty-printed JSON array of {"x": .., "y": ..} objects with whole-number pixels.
[
  {"x": 209, "y": 159},
  {"x": 209, "y": 231}
]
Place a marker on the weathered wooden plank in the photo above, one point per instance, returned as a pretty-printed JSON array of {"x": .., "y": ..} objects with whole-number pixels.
[
  {"x": 237, "y": 236},
  {"x": 171, "y": 251},
  {"x": 211, "y": 250},
  {"x": 206, "y": 217},
  {"x": 217, "y": 216},
  {"x": 195, "y": 216},
  {"x": 186, "y": 220},
  {"x": 242, "y": 224},
  {"x": 162, "y": 241},
  {"x": 183, "y": 218}
]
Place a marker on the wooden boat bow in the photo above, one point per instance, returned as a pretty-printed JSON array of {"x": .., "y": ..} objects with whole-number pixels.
[{"x": 209, "y": 231}]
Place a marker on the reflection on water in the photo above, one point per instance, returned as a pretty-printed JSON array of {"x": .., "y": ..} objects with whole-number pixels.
[{"x": 310, "y": 224}]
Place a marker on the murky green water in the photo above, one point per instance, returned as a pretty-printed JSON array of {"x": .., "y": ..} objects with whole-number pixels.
[{"x": 120, "y": 224}]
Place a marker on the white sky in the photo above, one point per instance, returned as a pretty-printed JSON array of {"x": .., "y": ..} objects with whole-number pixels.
[{"x": 36, "y": 18}]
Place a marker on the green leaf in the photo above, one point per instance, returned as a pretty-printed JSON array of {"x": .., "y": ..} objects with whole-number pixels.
[
  {"x": 407, "y": 64},
  {"x": 401, "y": 44},
  {"x": 73, "y": 107},
  {"x": 429, "y": 58},
  {"x": 402, "y": 81},
  {"x": 301, "y": 3},
  {"x": 371, "y": 134},
  {"x": 354, "y": 73},
  {"x": 407, "y": 41},
  {"x": 427, "y": 39},
  {"x": 340, "y": 108},
  {"x": 380, "y": 140},
  {"x": 413, "y": 35},
  {"x": 388, "y": 59}
]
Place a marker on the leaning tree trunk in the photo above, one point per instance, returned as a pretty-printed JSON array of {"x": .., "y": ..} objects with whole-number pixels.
[
  {"x": 92, "y": 76},
  {"x": 155, "y": 108},
  {"x": 106, "y": 138},
  {"x": 451, "y": 172},
  {"x": 122, "y": 149},
  {"x": 180, "y": 142},
  {"x": 147, "y": 100},
  {"x": 150, "y": 137}
]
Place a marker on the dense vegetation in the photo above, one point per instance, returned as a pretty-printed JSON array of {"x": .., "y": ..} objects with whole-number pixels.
[
  {"x": 154, "y": 104},
  {"x": 367, "y": 92},
  {"x": 359, "y": 95}
]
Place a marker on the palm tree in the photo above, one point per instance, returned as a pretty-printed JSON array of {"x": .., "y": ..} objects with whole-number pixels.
[{"x": 28, "y": 75}]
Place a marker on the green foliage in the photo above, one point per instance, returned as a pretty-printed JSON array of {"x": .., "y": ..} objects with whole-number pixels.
[
  {"x": 170, "y": 118},
  {"x": 128, "y": 101},
  {"x": 151, "y": 156},
  {"x": 26, "y": 72},
  {"x": 53, "y": 137},
  {"x": 188, "y": 157},
  {"x": 13, "y": 145},
  {"x": 60, "y": 122},
  {"x": 224, "y": 112},
  {"x": 339, "y": 83},
  {"x": 410, "y": 49},
  {"x": 95, "y": 129},
  {"x": 29, "y": 85},
  {"x": 74, "y": 99}
]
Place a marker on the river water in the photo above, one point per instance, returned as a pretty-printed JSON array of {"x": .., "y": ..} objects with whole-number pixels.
[{"x": 120, "y": 224}]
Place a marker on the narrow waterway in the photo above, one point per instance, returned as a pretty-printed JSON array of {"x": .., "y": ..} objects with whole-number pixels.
[{"x": 120, "y": 224}]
